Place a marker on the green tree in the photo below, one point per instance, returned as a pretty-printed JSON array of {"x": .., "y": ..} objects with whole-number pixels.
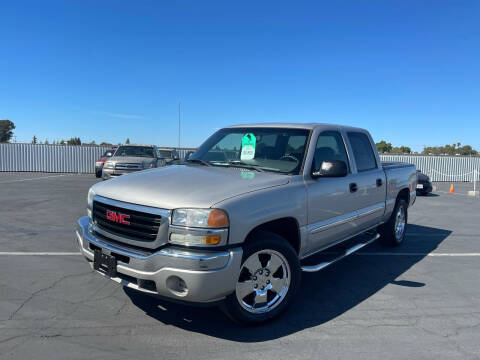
[
  {"x": 384, "y": 147},
  {"x": 454, "y": 149},
  {"x": 6, "y": 130},
  {"x": 74, "y": 141},
  {"x": 467, "y": 150},
  {"x": 127, "y": 141},
  {"x": 34, "y": 140},
  {"x": 46, "y": 142},
  {"x": 401, "y": 150}
]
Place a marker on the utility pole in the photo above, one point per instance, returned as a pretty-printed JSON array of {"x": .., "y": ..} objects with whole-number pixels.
[{"x": 179, "y": 104}]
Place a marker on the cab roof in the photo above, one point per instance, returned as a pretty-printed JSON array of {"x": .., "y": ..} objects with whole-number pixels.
[{"x": 307, "y": 126}]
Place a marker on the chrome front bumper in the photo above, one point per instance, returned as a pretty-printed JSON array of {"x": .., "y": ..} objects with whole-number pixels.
[
  {"x": 209, "y": 276},
  {"x": 109, "y": 173}
]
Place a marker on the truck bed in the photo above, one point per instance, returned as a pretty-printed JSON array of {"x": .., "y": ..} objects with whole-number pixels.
[
  {"x": 395, "y": 164},
  {"x": 398, "y": 175}
]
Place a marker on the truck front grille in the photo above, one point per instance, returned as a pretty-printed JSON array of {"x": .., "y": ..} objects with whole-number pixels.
[
  {"x": 136, "y": 225},
  {"x": 126, "y": 166}
]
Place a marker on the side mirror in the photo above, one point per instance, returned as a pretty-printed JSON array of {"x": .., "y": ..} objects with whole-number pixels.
[{"x": 331, "y": 168}]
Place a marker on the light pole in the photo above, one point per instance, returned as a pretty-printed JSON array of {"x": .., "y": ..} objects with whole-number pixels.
[{"x": 179, "y": 104}]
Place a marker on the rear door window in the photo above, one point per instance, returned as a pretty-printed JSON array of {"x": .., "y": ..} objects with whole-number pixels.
[{"x": 362, "y": 151}]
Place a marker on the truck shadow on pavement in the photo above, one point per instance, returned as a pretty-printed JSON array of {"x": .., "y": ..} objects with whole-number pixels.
[{"x": 323, "y": 296}]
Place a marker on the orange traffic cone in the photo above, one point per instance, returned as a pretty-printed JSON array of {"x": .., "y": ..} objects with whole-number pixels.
[{"x": 452, "y": 189}]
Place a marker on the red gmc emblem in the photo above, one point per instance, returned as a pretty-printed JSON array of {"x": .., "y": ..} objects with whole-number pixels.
[{"x": 117, "y": 217}]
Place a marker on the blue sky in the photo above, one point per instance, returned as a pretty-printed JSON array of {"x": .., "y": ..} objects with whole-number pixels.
[{"x": 409, "y": 71}]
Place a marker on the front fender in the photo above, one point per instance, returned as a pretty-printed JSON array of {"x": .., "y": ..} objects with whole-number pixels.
[{"x": 247, "y": 211}]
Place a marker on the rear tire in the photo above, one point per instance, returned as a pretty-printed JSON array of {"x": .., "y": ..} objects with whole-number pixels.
[
  {"x": 392, "y": 233},
  {"x": 269, "y": 278}
]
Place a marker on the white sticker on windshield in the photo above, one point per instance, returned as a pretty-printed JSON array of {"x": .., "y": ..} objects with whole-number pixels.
[{"x": 248, "y": 147}]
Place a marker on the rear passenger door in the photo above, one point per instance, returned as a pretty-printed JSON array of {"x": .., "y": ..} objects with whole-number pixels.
[{"x": 369, "y": 180}]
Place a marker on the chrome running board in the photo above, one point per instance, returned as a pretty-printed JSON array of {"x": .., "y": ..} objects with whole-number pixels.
[{"x": 323, "y": 265}]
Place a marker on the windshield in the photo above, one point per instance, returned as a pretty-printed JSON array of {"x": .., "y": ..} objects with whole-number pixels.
[
  {"x": 167, "y": 154},
  {"x": 269, "y": 149},
  {"x": 138, "y": 151}
]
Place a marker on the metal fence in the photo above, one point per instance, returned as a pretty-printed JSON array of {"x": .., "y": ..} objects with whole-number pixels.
[
  {"x": 49, "y": 158},
  {"x": 181, "y": 151},
  {"x": 81, "y": 159},
  {"x": 442, "y": 168},
  {"x": 53, "y": 158}
]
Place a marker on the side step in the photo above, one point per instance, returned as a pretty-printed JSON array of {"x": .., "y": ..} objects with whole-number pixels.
[{"x": 323, "y": 265}]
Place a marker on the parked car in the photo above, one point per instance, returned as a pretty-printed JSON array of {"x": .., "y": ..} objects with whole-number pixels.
[
  {"x": 169, "y": 155},
  {"x": 237, "y": 222},
  {"x": 424, "y": 185},
  {"x": 101, "y": 161},
  {"x": 131, "y": 158}
]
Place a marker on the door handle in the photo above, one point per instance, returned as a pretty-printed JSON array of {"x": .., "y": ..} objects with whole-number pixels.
[
  {"x": 379, "y": 182},
  {"x": 353, "y": 187}
]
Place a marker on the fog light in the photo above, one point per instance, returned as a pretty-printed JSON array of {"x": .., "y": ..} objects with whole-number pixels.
[
  {"x": 188, "y": 239},
  {"x": 177, "y": 285}
]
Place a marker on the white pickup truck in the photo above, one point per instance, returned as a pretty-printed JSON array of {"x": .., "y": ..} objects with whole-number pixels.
[{"x": 236, "y": 223}]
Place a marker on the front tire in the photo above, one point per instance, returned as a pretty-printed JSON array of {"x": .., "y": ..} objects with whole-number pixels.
[
  {"x": 269, "y": 277},
  {"x": 392, "y": 233}
]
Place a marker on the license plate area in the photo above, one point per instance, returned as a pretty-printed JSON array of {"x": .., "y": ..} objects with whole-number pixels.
[
  {"x": 419, "y": 186},
  {"x": 104, "y": 263}
]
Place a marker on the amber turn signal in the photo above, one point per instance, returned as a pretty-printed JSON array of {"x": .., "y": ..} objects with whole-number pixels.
[
  {"x": 217, "y": 218},
  {"x": 212, "y": 240}
]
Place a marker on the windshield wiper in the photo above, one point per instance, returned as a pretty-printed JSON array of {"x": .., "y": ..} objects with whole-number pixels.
[
  {"x": 198, "y": 161},
  {"x": 242, "y": 164}
]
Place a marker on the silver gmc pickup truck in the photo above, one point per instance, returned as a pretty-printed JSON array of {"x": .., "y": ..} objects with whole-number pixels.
[
  {"x": 131, "y": 158},
  {"x": 236, "y": 224}
]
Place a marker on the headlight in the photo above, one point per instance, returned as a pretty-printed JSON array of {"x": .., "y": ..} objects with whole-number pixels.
[
  {"x": 202, "y": 218},
  {"x": 108, "y": 165},
  {"x": 90, "y": 196}
]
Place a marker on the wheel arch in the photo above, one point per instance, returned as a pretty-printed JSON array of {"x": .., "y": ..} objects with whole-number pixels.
[
  {"x": 405, "y": 195},
  {"x": 286, "y": 227}
]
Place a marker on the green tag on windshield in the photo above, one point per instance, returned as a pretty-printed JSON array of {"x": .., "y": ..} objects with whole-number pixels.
[{"x": 248, "y": 147}]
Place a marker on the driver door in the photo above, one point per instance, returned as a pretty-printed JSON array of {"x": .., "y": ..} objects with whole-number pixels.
[{"x": 331, "y": 205}]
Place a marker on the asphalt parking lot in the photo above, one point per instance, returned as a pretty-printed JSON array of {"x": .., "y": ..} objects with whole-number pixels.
[{"x": 418, "y": 301}]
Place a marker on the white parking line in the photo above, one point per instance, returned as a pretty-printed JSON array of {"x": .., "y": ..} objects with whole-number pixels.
[
  {"x": 416, "y": 254},
  {"x": 446, "y": 192},
  {"x": 420, "y": 234},
  {"x": 22, "y": 253},
  {"x": 36, "y": 178}
]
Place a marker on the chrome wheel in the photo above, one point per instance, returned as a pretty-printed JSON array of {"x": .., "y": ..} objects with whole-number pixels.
[
  {"x": 263, "y": 282},
  {"x": 400, "y": 222}
]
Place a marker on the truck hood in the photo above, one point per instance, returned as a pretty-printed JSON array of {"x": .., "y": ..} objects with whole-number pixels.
[{"x": 178, "y": 186}]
